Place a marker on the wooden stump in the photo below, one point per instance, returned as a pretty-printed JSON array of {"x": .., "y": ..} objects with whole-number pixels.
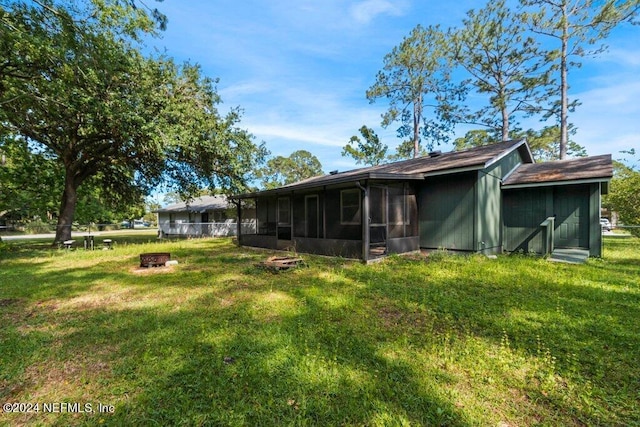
[{"x": 278, "y": 263}]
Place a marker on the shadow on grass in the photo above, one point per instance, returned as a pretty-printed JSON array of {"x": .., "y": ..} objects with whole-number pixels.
[
  {"x": 219, "y": 341},
  {"x": 227, "y": 366}
]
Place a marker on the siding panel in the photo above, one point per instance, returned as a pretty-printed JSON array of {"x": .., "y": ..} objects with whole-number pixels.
[{"x": 447, "y": 212}]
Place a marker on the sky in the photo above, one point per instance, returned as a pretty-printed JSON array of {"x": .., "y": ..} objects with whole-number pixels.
[{"x": 300, "y": 69}]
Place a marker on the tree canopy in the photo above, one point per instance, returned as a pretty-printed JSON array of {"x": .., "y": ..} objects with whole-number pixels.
[
  {"x": 415, "y": 77},
  {"x": 502, "y": 58},
  {"x": 624, "y": 197},
  {"x": 280, "y": 170},
  {"x": 32, "y": 187},
  {"x": 577, "y": 26},
  {"x": 369, "y": 152},
  {"x": 544, "y": 144},
  {"x": 504, "y": 62},
  {"x": 74, "y": 85}
]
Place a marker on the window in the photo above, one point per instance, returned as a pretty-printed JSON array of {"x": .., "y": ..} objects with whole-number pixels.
[
  {"x": 172, "y": 220},
  {"x": 192, "y": 217},
  {"x": 350, "y": 204},
  {"x": 284, "y": 211}
]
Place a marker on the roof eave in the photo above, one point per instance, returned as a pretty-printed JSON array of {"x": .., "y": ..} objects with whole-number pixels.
[
  {"x": 516, "y": 146},
  {"x": 332, "y": 182},
  {"x": 561, "y": 182},
  {"x": 454, "y": 171}
]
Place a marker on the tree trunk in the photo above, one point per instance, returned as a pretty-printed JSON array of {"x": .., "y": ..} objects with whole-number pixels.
[
  {"x": 67, "y": 207},
  {"x": 505, "y": 125},
  {"x": 564, "y": 102},
  {"x": 417, "y": 117}
]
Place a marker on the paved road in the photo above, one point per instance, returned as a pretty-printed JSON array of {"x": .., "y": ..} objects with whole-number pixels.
[{"x": 76, "y": 234}]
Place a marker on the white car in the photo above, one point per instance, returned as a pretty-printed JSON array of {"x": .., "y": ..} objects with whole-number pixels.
[{"x": 605, "y": 224}]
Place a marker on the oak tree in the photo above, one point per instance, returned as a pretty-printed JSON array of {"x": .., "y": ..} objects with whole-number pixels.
[{"x": 75, "y": 85}]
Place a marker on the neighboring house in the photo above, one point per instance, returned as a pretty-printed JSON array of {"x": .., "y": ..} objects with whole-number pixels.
[
  {"x": 487, "y": 199},
  {"x": 204, "y": 216}
]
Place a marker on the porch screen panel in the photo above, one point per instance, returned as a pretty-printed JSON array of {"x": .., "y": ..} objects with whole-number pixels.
[
  {"x": 403, "y": 211},
  {"x": 298, "y": 216},
  {"x": 266, "y": 214},
  {"x": 333, "y": 207},
  {"x": 284, "y": 218},
  {"x": 312, "y": 216},
  {"x": 411, "y": 202},
  {"x": 378, "y": 205},
  {"x": 397, "y": 211}
]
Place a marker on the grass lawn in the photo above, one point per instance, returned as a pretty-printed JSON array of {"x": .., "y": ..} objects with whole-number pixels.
[{"x": 216, "y": 340}]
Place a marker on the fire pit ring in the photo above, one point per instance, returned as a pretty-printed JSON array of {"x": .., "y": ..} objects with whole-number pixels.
[{"x": 154, "y": 259}]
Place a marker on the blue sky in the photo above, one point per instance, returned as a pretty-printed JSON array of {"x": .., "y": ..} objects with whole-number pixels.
[{"x": 300, "y": 69}]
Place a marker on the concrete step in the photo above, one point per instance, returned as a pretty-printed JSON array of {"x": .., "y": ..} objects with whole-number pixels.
[{"x": 571, "y": 256}]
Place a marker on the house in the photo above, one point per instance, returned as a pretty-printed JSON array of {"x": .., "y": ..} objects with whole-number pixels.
[
  {"x": 487, "y": 199},
  {"x": 204, "y": 216}
]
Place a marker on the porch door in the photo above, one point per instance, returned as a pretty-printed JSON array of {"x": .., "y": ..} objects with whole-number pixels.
[
  {"x": 204, "y": 219},
  {"x": 571, "y": 204},
  {"x": 312, "y": 216},
  {"x": 284, "y": 218},
  {"x": 378, "y": 219}
]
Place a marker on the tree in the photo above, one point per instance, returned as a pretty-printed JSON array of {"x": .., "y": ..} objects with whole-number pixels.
[
  {"x": 504, "y": 63},
  {"x": 31, "y": 187},
  {"x": 544, "y": 143},
  {"x": 369, "y": 152},
  {"x": 474, "y": 138},
  {"x": 576, "y": 25},
  {"x": 414, "y": 72},
  {"x": 280, "y": 170},
  {"x": 623, "y": 196},
  {"x": 29, "y": 182},
  {"x": 84, "y": 96}
]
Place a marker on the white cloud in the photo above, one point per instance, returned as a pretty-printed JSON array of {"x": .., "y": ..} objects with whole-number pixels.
[
  {"x": 367, "y": 10},
  {"x": 608, "y": 120},
  {"x": 622, "y": 57}
]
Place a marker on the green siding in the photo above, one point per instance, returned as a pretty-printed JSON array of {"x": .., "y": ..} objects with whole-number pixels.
[
  {"x": 595, "y": 230},
  {"x": 524, "y": 211},
  {"x": 571, "y": 208},
  {"x": 489, "y": 207},
  {"x": 464, "y": 211},
  {"x": 576, "y": 209},
  {"x": 447, "y": 212}
]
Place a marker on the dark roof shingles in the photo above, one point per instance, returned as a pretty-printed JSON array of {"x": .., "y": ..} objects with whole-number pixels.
[
  {"x": 478, "y": 156},
  {"x": 583, "y": 168}
]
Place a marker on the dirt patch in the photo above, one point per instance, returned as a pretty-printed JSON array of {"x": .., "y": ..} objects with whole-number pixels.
[
  {"x": 392, "y": 317},
  {"x": 143, "y": 271}
]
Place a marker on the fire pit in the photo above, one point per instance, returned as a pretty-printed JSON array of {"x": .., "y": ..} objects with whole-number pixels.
[{"x": 154, "y": 259}]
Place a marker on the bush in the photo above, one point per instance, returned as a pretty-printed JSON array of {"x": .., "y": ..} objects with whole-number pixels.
[{"x": 37, "y": 226}]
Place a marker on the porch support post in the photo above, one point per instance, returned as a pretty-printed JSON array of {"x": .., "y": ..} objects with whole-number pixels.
[
  {"x": 239, "y": 223},
  {"x": 365, "y": 220}
]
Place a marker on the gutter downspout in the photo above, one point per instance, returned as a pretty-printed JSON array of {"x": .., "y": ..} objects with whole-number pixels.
[{"x": 365, "y": 222}]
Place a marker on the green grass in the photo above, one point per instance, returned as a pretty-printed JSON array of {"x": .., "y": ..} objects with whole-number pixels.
[{"x": 216, "y": 340}]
